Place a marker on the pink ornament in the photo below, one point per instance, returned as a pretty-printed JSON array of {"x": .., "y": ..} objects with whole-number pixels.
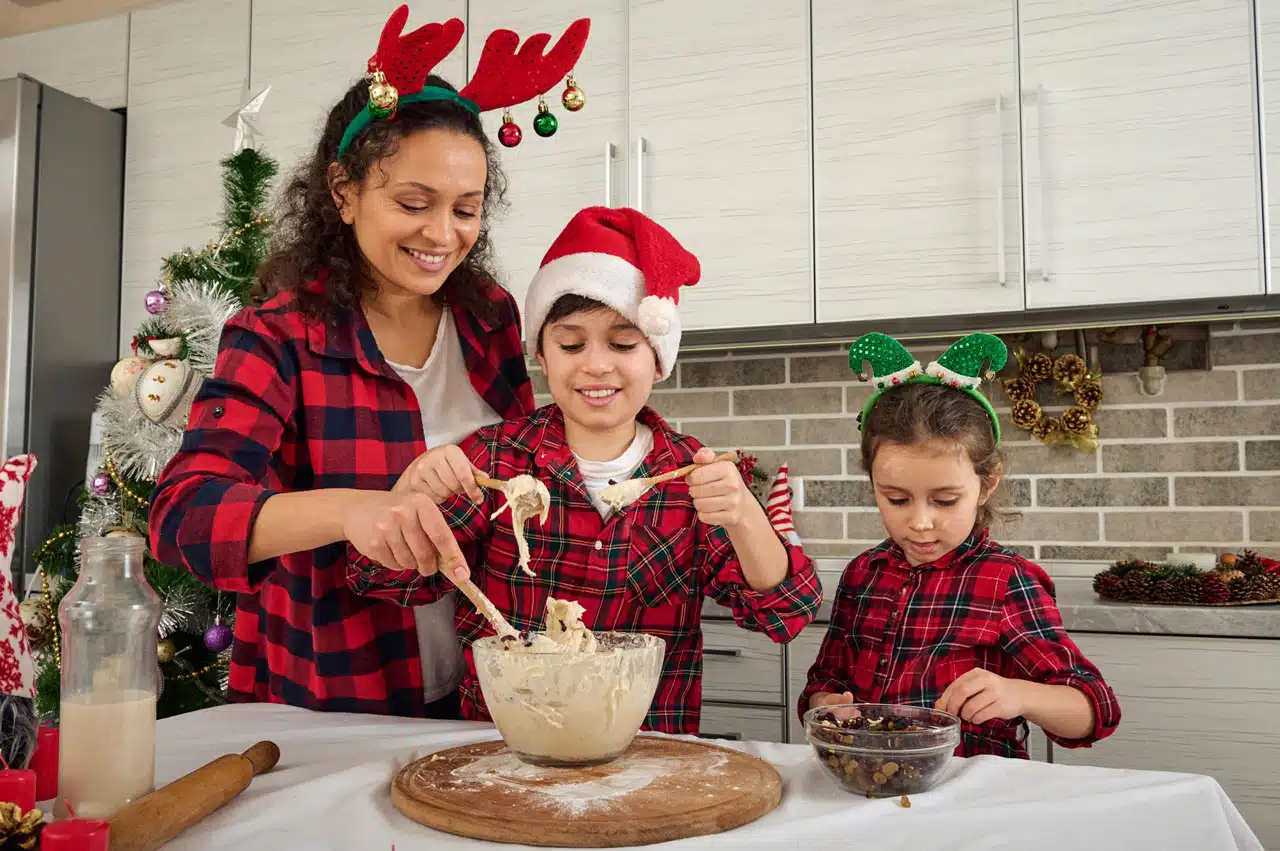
[
  {"x": 156, "y": 302},
  {"x": 100, "y": 484},
  {"x": 217, "y": 638},
  {"x": 509, "y": 134}
]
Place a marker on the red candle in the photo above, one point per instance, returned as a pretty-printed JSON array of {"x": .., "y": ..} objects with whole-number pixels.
[
  {"x": 74, "y": 834},
  {"x": 44, "y": 762},
  {"x": 18, "y": 786}
]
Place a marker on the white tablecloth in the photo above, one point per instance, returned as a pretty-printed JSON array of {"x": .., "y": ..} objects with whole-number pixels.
[{"x": 331, "y": 790}]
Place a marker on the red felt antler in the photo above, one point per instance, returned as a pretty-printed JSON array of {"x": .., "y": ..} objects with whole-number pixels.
[
  {"x": 505, "y": 77},
  {"x": 406, "y": 60}
]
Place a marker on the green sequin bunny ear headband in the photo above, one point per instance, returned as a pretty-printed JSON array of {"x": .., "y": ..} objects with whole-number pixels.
[{"x": 963, "y": 366}]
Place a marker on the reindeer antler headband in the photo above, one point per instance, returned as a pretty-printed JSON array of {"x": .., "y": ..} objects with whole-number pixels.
[
  {"x": 504, "y": 76},
  {"x": 961, "y": 367}
]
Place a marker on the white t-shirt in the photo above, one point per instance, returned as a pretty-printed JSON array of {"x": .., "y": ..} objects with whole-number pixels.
[
  {"x": 597, "y": 475},
  {"x": 451, "y": 410}
]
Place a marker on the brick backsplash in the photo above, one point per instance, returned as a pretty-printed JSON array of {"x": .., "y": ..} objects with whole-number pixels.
[{"x": 1196, "y": 468}]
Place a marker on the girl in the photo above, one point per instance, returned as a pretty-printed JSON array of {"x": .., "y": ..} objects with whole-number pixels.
[
  {"x": 939, "y": 615},
  {"x": 603, "y": 324},
  {"x": 386, "y": 334}
]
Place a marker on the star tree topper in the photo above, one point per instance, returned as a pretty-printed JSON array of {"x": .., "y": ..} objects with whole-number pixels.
[{"x": 244, "y": 120}]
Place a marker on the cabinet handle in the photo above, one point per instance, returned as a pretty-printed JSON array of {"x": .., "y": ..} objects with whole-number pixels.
[
  {"x": 1001, "y": 271},
  {"x": 641, "y": 147},
  {"x": 733, "y": 737},
  {"x": 1042, "y": 245},
  {"x": 714, "y": 651},
  {"x": 609, "y": 153}
]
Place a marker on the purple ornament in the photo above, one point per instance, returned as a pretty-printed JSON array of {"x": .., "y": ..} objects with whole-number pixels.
[
  {"x": 156, "y": 302},
  {"x": 217, "y": 638},
  {"x": 100, "y": 484}
]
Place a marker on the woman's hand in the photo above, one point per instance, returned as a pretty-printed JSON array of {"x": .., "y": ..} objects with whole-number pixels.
[
  {"x": 440, "y": 473},
  {"x": 403, "y": 531}
]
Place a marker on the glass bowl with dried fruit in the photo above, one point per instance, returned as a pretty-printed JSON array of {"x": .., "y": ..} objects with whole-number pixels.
[{"x": 882, "y": 750}]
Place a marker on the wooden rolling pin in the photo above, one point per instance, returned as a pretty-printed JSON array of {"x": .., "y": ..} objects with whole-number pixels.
[{"x": 154, "y": 819}]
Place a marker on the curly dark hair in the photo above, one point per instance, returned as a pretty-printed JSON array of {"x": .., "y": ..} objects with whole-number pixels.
[{"x": 309, "y": 234}]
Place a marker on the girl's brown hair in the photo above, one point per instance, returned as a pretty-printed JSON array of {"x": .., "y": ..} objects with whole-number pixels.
[
  {"x": 309, "y": 234},
  {"x": 915, "y": 413}
]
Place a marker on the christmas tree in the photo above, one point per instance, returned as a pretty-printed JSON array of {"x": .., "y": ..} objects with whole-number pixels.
[{"x": 143, "y": 414}]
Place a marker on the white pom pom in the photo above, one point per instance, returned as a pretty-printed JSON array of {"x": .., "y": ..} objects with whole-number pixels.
[{"x": 654, "y": 315}]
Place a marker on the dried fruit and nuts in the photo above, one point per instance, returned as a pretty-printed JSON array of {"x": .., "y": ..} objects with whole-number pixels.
[{"x": 875, "y": 771}]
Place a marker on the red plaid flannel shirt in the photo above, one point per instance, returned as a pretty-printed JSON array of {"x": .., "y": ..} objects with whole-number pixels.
[
  {"x": 298, "y": 404},
  {"x": 645, "y": 569},
  {"x": 900, "y": 634}
]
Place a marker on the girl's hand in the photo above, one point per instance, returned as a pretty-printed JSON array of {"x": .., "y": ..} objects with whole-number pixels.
[
  {"x": 719, "y": 494},
  {"x": 826, "y": 698},
  {"x": 403, "y": 531},
  {"x": 978, "y": 696},
  {"x": 440, "y": 473}
]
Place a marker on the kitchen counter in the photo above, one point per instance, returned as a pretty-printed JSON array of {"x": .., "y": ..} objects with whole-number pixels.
[{"x": 1083, "y": 611}]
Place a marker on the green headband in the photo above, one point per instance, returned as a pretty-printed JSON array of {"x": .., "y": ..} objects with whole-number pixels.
[
  {"x": 429, "y": 93},
  {"x": 961, "y": 366}
]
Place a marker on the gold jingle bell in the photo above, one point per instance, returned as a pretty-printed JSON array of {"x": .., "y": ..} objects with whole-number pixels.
[
  {"x": 573, "y": 98},
  {"x": 383, "y": 96}
]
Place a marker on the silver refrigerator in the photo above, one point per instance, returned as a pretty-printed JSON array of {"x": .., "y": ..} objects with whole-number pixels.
[{"x": 61, "y": 203}]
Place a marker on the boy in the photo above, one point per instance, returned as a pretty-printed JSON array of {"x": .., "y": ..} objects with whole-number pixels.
[{"x": 602, "y": 322}]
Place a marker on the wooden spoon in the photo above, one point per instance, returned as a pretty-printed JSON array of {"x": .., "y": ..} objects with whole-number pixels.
[
  {"x": 483, "y": 605},
  {"x": 620, "y": 495}
]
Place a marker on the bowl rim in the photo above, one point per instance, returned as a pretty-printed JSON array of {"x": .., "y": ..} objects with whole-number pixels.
[
  {"x": 811, "y": 714},
  {"x": 650, "y": 642},
  {"x": 946, "y": 748}
]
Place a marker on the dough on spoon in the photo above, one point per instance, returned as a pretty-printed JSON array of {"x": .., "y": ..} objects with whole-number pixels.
[
  {"x": 562, "y": 632},
  {"x": 621, "y": 494},
  {"x": 527, "y": 498}
]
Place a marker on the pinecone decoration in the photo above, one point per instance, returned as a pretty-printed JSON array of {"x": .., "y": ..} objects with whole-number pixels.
[
  {"x": 1138, "y": 587},
  {"x": 1046, "y": 428},
  {"x": 1213, "y": 589},
  {"x": 1068, "y": 371},
  {"x": 1077, "y": 420},
  {"x": 1126, "y": 566},
  {"x": 1265, "y": 586},
  {"x": 1089, "y": 395},
  {"x": 1019, "y": 388},
  {"x": 1230, "y": 575},
  {"x": 19, "y": 830},
  {"x": 1107, "y": 584},
  {"x": 1025, "y": 413},
  {"x": 1182, "y": 589},
  {"x": 1038, "y": 367},
  {"x": 1250, "y": 563},
  {"x": 1239, "y": 590}
]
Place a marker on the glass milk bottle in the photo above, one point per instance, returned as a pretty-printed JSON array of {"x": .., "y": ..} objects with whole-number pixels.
[{"x": 110, "y": 681}]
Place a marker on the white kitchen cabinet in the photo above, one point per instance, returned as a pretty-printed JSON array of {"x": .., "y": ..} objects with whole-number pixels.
[
  {"x": 188, "y": 64},
  {"x": 741, "y": 723},
  {"x": 916, "y": 158},
  {"x": 1140, "y": 151},
  {"x": 551, "y": 179},
  {"x": 88, "y": 60},
  {"x": 1268, "y": 23},
  {"x": 311, "y": 51},
  {"x": 1199, "y": 705},
  {"x": 719, "y": 99},
  {"x": 802, "y": 652}
]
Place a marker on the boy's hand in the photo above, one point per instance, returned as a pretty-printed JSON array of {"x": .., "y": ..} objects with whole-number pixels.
[
  {"x": 719, "y": 494},
  {"x": 978, "y": 696},
  {"x": 826, "y": 698},
  {"x": 440, "y": 473}
]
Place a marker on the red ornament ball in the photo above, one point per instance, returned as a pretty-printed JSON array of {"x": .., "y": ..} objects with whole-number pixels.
[{"x": 509, "y": 134}]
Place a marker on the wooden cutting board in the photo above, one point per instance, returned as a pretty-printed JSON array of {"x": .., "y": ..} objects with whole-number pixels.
[{"x": 659, "y": 790}]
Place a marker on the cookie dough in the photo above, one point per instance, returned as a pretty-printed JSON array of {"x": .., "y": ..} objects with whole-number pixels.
[
  {"x": 621, "y": 494},
  {"x": 527, "y": 498}
]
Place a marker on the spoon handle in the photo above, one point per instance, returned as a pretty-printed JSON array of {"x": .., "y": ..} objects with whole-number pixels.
[{"x": 686, "y": 470}]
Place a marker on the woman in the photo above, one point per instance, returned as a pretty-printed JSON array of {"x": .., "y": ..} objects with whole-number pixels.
[{"x": 386, "y": 335}]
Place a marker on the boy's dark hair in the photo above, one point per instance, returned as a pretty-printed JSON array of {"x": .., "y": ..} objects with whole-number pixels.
[
  {"x": 918, "y": 412},
  {"x": 309, "y": 234},
  {"x": 566, "y": 306}
]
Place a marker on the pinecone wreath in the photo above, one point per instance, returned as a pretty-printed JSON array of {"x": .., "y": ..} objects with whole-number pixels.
[
  {"x": 19, "y": 831},
  {"x": 1071, "y": 375},
  {"x": 1248, "y": 578}
]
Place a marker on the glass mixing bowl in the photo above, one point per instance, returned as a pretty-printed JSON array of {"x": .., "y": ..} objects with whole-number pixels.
[{"x": 882, "y": 750}]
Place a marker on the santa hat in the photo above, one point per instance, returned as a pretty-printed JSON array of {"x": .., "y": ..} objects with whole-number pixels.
[
  {"x": 778, "y": 507},
  {"x": 621, "y": 258}
]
